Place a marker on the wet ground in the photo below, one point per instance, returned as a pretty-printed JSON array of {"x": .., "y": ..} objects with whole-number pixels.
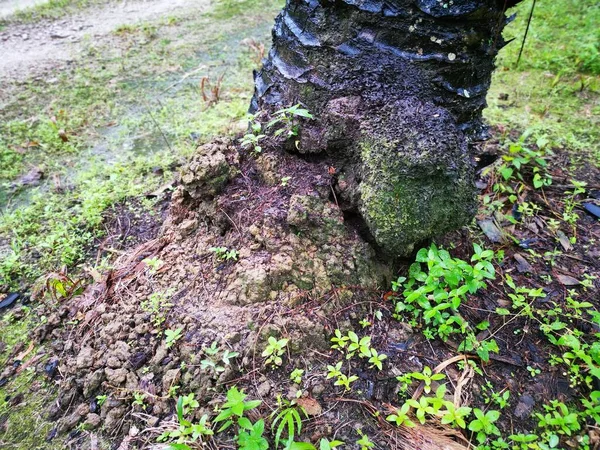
[{"x": 33, "y": 48}]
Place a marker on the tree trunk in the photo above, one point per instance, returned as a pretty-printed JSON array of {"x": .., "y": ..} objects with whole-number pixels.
[{"x": 397, "y": 88}]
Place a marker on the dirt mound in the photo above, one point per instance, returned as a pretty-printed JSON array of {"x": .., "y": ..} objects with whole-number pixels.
[{"x": 241, "y": 256}]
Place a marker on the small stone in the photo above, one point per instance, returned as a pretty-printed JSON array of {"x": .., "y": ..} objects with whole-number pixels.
[
  {"x": 113, "y": 417},
  {"x": 82, "y": 409},
  {"x": 318, "y": 389},
  {"x": 525, "y": 406},
  {"x": 115, "y": 376},
  {"x": 92, "y": 421},
  {"x": 263, "y": 388},
  {"x": 113, "y": 362},
  {"x": 152, "y": 421},
  {"x": 170, "y": 378},
  {"x": 85, "y": 358},
  {"x": 188, "y": 226},
  {"x": 489, "y": 228},
  {"x": 92, "y": 382},
  {"x": 68, "y": 423}
]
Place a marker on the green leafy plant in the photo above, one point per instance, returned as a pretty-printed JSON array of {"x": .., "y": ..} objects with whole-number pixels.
[
  {"x": 274, "y": 351},
  {"x": 490, "y": 396},
  {"x": 326, "y": 444},
  {"x": 153, "y": 264},
  {"x": 558, "y": 419},
  {"x": 365, "y": 323},
  {"x": 524, "y": 441},
  {"x": 252, "y": 139},
  {"x": 235, "y": 406},
  {"x": 431, "y": 406},
  {"x": 533, "y": 371},
  {"x": 351, "y": 345},
  {"x": 341, "y": 378},
  {"x": 215, "y": 362},
  {"x": 187, "y": 432},
  {"x": 427, "y": 377},
  {"x": 296, "y": 375},
  {"x": 172, "y": 336},
  {"x": 364, "y": 442},
  {"x": 361, "y": 346},
  {"x": 401, "y": 417},
  {"x": 483, "y": 424},
  {"x": 455, "y": 416},
  {"x": 100, "y": 399},
  {"x": 138, "y": 398},
  {"x": 225, "y": 254},
  {"x": 251, "y": 435},
  {"x": 157, "y": 305},
  {"x": 285, "y": 181},
  {"x": 522, "y": 164},
  {"x": 570, "y": 203},
  {"x": 287, "y": 118},
  {"x": 377, "y": 359},
  {"x": 286, "y": 418},
  {"x": 431, "y": 297}
]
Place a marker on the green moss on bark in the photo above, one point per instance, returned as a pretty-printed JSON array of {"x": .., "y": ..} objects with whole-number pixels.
[{"x": 405, "y": 200}]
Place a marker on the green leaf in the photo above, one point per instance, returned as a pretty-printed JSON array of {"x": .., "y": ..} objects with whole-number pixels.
[
  {"x": 179, "y": 447},
  {"x": 245, "y": 423},
  {"x": 476, "y": 426},
  {"x": 301, "y": 446}
]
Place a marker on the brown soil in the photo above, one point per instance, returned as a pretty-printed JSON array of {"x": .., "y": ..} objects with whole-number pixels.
[{"x": 288, "y": 283}]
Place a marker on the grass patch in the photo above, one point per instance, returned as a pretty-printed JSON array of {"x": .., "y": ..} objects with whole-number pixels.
[
  {"x": 555, "y": 91},
  {"x": 116, "y": 110},
  {"x": 21, "y": 414},
  {"x": 564, "y": 37},
  {"x": 52, "y": 9}
]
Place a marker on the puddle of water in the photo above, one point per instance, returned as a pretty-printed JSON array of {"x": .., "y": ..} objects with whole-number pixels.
[{"x": 9, "y": 7}]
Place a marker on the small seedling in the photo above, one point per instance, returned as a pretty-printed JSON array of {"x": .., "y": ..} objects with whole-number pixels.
[
  {"x": 533, "y": 371},
  {"x": 400, "y": 417},
  {"x": 364, "y": 441},
  {"x": 427, "y": 377},
  {"x": 286, "y": 418},
  {"x": 100, "y": 399},
  {"x": 252, "y": 140},
  {"x": 287, "y": 118},
  {"x": 296, "y": 375},
  {"x": 235, "y": 406},
  {"x": 251, "y": 435},
  {"x": 341, "y": 379},
  {"x": 173, "y": 336},
  {"x": 285, "y": 181},
  {"x": 157, "y": 306},
  {"x": 213, "y": 361},
  {"x": 187, "y": 432},
  {"x": 326, "y": 444},
  {"x": 225, "y": 254},
  {"x": 376, "y": 359},
  {"x": 483, "y": 424},
  {"x": 138, "y": 398},
  {"x": 153, "y": 264},
  {"x": 274, "y": 350}
]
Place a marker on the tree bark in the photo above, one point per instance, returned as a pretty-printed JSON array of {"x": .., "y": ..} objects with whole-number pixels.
[{"x": 397, "y": 88}]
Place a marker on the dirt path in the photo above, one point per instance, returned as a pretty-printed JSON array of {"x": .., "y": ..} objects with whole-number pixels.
[
  {"x": 9, "y": 7},
  {"x": 30, "y": 49}
]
